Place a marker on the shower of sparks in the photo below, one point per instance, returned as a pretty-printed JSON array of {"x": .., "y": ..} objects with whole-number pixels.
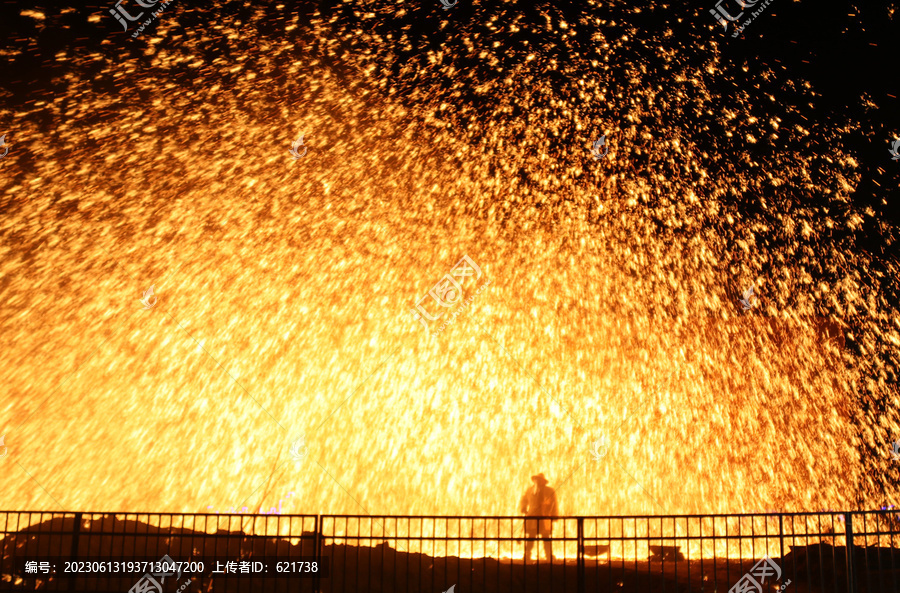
[{"x": 284, "y": 286}]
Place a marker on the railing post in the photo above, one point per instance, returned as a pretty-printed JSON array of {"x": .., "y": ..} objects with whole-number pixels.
[
  {"x": 75, "y": 533},
  {"x": 781, "y": 537},
  {"x": 851, "y": 578},
  {"x": 316, "y": 552},
  {"x": 579, "y": 572}
]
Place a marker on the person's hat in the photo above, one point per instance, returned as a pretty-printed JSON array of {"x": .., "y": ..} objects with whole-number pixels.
[{"x": 540, "y": 478}]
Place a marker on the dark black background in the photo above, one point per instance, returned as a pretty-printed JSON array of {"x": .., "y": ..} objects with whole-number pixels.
[{"x": 844, "y": 52}]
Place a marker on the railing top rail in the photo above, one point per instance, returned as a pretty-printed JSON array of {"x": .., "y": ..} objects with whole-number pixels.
[
  {"x": 561, "y": 517},
  {"x": 88, "y": 514}
]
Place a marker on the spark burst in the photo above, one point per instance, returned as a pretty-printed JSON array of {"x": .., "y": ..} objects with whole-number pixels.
[{"x": 287, "y": 291}]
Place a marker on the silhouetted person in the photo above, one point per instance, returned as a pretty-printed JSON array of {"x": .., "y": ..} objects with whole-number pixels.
[{"x": 539, "y": 501}]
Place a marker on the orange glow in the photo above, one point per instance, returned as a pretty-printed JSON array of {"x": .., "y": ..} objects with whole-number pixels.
[{"x": 284, "y": 288}]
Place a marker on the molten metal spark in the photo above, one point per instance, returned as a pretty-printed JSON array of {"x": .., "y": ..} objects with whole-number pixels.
[{"x": 613, "y": 306}]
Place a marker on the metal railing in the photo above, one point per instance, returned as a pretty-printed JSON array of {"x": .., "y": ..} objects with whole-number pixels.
[{"x": 340, "y": 553}]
